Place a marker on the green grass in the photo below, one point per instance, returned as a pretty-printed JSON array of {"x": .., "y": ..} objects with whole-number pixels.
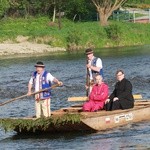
[{"x": 75, "y": 35}]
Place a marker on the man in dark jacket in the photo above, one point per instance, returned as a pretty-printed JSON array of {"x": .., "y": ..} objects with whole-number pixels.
[{"x": 122, "y": 97}]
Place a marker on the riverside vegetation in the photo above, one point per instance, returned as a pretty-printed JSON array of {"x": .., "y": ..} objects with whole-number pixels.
[{"x": 74, "y": 35}]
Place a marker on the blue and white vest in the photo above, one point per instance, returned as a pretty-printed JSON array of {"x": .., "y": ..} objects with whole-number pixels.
[
  {"x": 44, "y": 83},
  {"x": 96, "y": 72}
]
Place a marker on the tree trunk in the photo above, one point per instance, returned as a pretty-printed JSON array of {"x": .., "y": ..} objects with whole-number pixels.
[
  {"x": 103, "y": 18},
  {"x": 54, "y": 12},
  {"x": 105, "y": 8}
]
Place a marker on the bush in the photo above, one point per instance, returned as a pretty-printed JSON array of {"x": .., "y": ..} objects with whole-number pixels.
[
  {"x": 4, "y": 5},
  {"x": 74, "y": 37},
  {"x": 113, "y": 32}
]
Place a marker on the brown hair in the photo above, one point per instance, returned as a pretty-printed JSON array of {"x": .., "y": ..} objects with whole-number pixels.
[{"x": 119, "y": 71}]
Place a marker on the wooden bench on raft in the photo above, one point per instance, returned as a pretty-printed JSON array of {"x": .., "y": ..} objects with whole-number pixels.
[
  {"x": 85, "y": 98},
  {"x": 77, "y": 108}
]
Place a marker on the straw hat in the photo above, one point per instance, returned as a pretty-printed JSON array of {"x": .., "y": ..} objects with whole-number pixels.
[
  {"x": 39, "y": 64},
  {"x": 88, "y": 51}
]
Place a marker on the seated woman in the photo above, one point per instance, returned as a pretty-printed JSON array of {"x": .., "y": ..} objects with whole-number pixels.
[
  {"x": 97, "y": 96},
  {"x": 122, "y": 97}
]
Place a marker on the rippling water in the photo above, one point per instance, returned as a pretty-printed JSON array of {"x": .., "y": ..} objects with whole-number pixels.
[{"x": 14, "y": 76}]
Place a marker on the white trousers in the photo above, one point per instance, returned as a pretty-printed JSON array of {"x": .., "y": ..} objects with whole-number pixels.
[{"x": 42, "y": 108}]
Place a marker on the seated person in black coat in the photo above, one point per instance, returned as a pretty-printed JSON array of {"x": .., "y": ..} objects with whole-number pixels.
[{"x": 122, "y": 97}]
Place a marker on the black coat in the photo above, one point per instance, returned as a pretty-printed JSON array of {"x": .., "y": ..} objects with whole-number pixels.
[{"x": 123, "y": 90}]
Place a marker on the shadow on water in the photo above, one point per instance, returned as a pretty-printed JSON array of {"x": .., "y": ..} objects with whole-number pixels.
[
  {"x": 124, "y": 131},
  {"x": 65, "y": 136}
]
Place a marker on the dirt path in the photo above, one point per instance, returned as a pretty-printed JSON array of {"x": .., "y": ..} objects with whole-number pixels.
[{"x": 26, "y": 48}]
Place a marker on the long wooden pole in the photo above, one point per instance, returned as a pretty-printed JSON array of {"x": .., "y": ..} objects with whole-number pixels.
[
  {"x": 11, "y": 100},
  {"x": 87, "y": 79}
]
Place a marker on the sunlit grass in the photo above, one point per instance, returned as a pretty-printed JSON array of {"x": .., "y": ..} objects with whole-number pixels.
[{"x": 83, "y": 34}]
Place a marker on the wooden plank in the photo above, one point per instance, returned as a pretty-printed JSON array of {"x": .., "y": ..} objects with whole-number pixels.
[
  {"x": 137, "y": 96},
  {"x": 81, "y": 98},
  {"x": 84, "y": 98},
  {"x": 78, "y": 108},
  {"x": 142, "y": 103}
]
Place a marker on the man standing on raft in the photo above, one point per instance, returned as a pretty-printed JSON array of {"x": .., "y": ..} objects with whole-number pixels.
[
  {"x": 42, "y": 79},
  {"x": 94, "y": 67}
]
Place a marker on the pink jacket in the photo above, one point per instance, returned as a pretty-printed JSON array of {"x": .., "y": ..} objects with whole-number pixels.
[
  {"x": 99, "y": 93},
  {"x": 97, "y": 98}
]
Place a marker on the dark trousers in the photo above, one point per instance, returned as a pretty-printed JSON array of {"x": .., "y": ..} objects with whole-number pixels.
[
  {"x": 119, "y": 104},
  {"x": 113, "y": 105}
]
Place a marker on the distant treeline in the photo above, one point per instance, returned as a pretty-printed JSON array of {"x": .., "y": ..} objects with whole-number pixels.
[{"x": 73, "y": 9}]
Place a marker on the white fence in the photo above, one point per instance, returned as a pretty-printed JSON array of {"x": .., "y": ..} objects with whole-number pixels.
[{"x": 133, "y": 15}]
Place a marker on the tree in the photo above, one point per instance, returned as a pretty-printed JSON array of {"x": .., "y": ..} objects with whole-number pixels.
[
  {"x": 79, "y": 8},
  {"x": 105, "y": 8},
  {"x": 58, "y": 6}
]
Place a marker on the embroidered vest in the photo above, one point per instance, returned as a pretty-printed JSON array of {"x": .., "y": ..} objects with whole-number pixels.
[
  {"x": 43, "y": 84},
  {"x": 96, "y": 72}
]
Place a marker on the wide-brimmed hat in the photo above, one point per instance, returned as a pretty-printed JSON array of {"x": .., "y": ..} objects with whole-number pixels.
[
  {"x": 88, "y": 51},
  {"x": 39, "y": 64}
]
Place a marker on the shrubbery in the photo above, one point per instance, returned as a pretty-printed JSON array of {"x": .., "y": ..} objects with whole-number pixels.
[{"x": 113, "y": 32}]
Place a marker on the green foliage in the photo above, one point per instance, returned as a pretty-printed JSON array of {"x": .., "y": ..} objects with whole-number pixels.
[
  {"x": 35, "y": 124},
  {"x": 24, "y": 8},
  {"x": 4, "y": 5},
  {"x": 133, "y": 33},
  {"x": 113, "y": 32},
  {"x": 73, "y": 9},
  {"x": 78, "y": 35},
  {"x": 73, "y": 37},
  {"x": 143, "y": 4},
  {"x": 81, "y": 10},
  {"x": 138, "y": 1}
]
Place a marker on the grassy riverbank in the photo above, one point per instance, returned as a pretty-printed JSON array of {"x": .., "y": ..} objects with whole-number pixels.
[{"x": 74, "y": 35}]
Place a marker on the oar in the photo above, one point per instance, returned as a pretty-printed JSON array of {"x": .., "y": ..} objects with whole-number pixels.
[{"x": 11, "y": 100}]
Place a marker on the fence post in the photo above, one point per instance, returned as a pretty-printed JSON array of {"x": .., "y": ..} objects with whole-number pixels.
[
  {"x": 97, "y": 16},
  {"x": 128, "y": 15},
  {"x": 117, "y": 15}
]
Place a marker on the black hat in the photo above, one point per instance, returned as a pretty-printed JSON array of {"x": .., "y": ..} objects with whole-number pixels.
[
  {"x": 39, "y": 64},
  {"x": 88, "y": 51}
]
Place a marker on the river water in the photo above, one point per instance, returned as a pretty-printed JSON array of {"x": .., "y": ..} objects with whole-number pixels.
[{"x": 70, "y": 68}]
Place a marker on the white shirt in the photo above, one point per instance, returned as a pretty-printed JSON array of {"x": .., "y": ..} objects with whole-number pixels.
[
  {"x": 98, "y": 64},
  {"x": 50, "y": 78}
]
